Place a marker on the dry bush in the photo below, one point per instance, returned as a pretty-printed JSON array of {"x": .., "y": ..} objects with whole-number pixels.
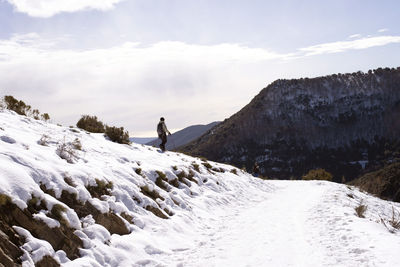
[
  {"x": 66, "y": 151},
  {"x": 395, "y": 220},
  {"x": 207, "y": 165},
  {"x": 360, "y": 210},
  {"x": 56, "y": 213},
  {"x": 4, "y": 199},
  {"x": 160, "y": 180},
  {"x": 45, "y": 116},
  {"x": 138, "y": 171},
  {"x": 117, "y": 134},
  {"x": 90, "y": 124},
  {"x": 196, "y": 167},
  {"x": 76, "y": 144},
  {"x": 101, "y": 188},
  {"x": 318, "y": 174},
  {"x": 21, "y": 108},
  {"x": 44, "y": 140}
]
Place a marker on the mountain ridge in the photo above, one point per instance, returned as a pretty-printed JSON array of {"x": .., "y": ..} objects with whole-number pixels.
[{"x": 333, "y": 122}]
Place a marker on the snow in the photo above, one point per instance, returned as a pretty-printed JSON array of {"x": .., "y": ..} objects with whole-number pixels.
[
  {"x": 224, "y": 220},
  {"x": 34, "y": 249}
]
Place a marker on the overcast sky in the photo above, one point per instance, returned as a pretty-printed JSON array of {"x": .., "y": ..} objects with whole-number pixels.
[{"x": 129, "y": 62}]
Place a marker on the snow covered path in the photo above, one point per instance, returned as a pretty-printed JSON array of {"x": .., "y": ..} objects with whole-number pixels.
[{"x": 300, "y": 224}]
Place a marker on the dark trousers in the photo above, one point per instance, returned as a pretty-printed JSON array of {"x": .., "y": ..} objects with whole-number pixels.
[{"x": 163, "y": 138}]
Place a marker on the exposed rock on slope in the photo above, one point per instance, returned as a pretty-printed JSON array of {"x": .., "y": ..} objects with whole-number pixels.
[{"x": 342, "y": 123}]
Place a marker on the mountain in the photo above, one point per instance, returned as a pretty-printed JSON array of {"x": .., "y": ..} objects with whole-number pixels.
[
  {"x": 345, "y": 123},
  {"x": 73, "y": 198},
  {"x": 142, "y": 140},
  {"x": 184, "y": 136}
]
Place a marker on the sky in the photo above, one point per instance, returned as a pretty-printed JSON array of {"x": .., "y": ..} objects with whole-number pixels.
[{"x": 129, "y": 62}]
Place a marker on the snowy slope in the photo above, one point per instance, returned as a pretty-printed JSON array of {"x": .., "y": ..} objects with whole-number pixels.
[{"x": 212, "y": 217}]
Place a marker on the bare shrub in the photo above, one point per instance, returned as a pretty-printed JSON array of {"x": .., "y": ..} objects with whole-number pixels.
[
  {"x": 76, "y": 144},
  {"x": 360, "y": 210},
  {"x": 395, "y": 220},
  {"x": 66, "y": 151},
  {"x": 44, "y": 140}
]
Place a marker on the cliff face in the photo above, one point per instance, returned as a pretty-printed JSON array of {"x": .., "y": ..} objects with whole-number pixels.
[{"x": 344, "y": 123}]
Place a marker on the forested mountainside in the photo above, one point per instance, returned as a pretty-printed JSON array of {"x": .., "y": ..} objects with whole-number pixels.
[{"x": 345, "y": 123}]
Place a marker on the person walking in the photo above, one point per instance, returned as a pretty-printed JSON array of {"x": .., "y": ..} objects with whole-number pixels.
[
  {"x": 162, "y": 133},
  {"x": 256, "y": 170}
]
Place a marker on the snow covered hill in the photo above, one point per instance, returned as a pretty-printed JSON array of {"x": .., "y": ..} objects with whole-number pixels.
[{"x": 76, "y": 199}]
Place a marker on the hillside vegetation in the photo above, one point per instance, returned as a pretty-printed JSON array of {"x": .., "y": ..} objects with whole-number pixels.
[{"x": 384, "y": 183}]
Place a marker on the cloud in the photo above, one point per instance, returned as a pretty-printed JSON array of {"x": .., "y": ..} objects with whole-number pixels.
[
  {"x": 383, "y": 30},
  {"x": 357, "y": 35},
  {"x": 49, "y": 8},
  {"x": 130, "y": 84},
  {"x": 342, "y": 46}
]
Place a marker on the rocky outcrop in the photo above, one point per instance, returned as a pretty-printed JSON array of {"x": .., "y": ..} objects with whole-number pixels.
[
  {"x": 10, "y": 242},
  {"x": 61, "y": 238},
  {"x": 111, "y": 221},
  {"x": 343, "y": 123}
]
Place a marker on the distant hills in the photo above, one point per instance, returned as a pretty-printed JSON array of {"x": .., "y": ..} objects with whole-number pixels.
[
  {"x": 141, "y": 140},
  {"x": 184, "y": 136},
  {"x": 346, "y": 123}
]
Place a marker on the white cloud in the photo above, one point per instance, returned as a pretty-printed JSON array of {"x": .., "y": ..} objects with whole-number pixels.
[
  {"x": 131, "y": 84},
  {"x": 357, "y": 35},
  {"x": 383, "y": 30},
  {"x": 342, "y": 46},
  {"x": 48, "y": 8}
]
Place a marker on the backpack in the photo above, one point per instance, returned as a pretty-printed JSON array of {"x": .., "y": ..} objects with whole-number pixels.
[{"x": 160, "y": 129}]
